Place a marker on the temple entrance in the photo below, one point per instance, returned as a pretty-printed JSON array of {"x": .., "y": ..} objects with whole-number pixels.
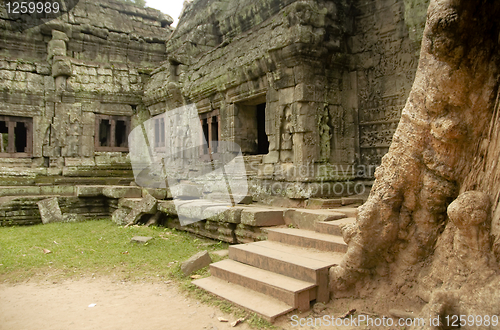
[{"x": 250, "y": 124}]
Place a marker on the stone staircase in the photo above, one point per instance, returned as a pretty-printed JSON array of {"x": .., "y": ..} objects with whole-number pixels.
[{"x": 284, "y": 273}]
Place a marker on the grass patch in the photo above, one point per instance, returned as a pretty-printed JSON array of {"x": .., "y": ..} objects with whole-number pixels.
[
  {"x": 100, "y": 248},
  {"x": 94, "y": 247}
]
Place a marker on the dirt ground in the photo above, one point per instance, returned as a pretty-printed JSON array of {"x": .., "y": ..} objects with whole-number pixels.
[
  {"x": 64, "y": 305},
  {"x": 118, "y": 306}
]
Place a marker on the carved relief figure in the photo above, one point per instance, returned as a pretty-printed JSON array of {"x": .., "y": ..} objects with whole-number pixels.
[
  {"x": 286, "y": 134},
  {"x": 325, "y": 135}
]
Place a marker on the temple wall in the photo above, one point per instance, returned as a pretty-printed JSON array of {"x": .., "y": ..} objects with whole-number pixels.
[{"x": 59, "y": 81}]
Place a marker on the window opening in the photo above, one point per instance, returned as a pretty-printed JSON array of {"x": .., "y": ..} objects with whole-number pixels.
[
  {"x": 210, "y": 127},
  {"x": 112, "y": 133},
  {"x": 159, "y": 132},
  {"x": 16, "y": 137}
]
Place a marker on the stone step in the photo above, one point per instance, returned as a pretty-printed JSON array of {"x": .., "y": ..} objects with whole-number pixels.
[
  {"x": 350, "y": 212},
  {"x": 360, "y": 199},
  {"x": 268, "y": 307},
  {"x": 306, "y": 219},
  {"x": 291, "y": 291},
  {"x": 333, "y": 227},
  {"x": 321, "y": 203},
  {"x": 307, "y": 239},
  {"x": 308, "y": 265}
]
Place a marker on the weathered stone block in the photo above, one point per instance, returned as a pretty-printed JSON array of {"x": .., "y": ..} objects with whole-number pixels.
[
  {"x": 50, "y": 211},
  {"x": 306, "y": 219},
  {"x": 196, "y": 262},
  {"x": 271, "y": 158},
  {"x": 62, "y": 67},
  {"x": 262, "y": 217},
  {"x": 158, "y": 193},
  {"x": 89, "y": 191},
  {"x": 320, "y": 203},
  {"x": 186, "y": 191},
  {"x": 305, "y": 92},
  {"x": 286, "y": 95},
  {"x": 58, "y": 190},
  {"x": 231, "y": 215},
  {"x": 119, "y": 215},
  {"x": 146, "y": 206},
  {"x": 141, "y": 239},
  {"x": 167, "y": 207},
  {"x": 249, "y": 234},
  {"x": 130, "y": 203},
  {"x": 56, "y": 48},
  {"x": 19, "y": 191},
  {"x": 122, "y": 192},
  {"x": 58, "y": 35}
]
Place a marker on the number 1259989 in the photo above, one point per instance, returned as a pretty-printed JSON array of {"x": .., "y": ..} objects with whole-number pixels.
[
  {"x": 471, "y": 320},
  {"x": 32, "y": 7}
]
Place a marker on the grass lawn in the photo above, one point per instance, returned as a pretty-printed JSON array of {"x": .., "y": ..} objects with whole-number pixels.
[
  {"x": 101, "y": 248},
  {"x": 95, "y": 247}
]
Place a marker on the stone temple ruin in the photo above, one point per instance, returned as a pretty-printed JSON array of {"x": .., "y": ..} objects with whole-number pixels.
[{"x": 312, "y": 92}]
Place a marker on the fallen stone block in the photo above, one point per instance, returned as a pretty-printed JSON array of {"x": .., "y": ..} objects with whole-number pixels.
[
  {"x": 262, "y": 217},
  {"x": 119, "y": 216},
  {"x": 140, "y": 239},
  {"x": 196, "y": 262},
  {"x": 167, "y": 207},
  {"x": 50, "y": 211},
  {"x": 146, "y": 206},
  {"x": 158, "y": 193}
]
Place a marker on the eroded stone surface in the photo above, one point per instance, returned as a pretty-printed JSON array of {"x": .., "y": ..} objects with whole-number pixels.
[
  {"x": 196, "y": 262},
  {"x": 50, "y": 211}
]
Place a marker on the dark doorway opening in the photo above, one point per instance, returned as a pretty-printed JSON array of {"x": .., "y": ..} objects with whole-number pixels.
[
  {"x": 262, "y": 139},
  {"x": 21, "y": 137},
  {"x": 104, "y": 133},
  {"x": 120, "y": 134},
  {"x": 215, "y": 134},
  {"x": 4, "y": 134},
  {"x": 204, "y": 125}
]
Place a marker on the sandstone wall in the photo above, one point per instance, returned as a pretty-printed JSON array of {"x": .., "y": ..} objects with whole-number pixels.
[
  {"x": 333, "y": 76},
  {"x": 385, "y": 60},
  {"x": 93, "y": 60}
]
